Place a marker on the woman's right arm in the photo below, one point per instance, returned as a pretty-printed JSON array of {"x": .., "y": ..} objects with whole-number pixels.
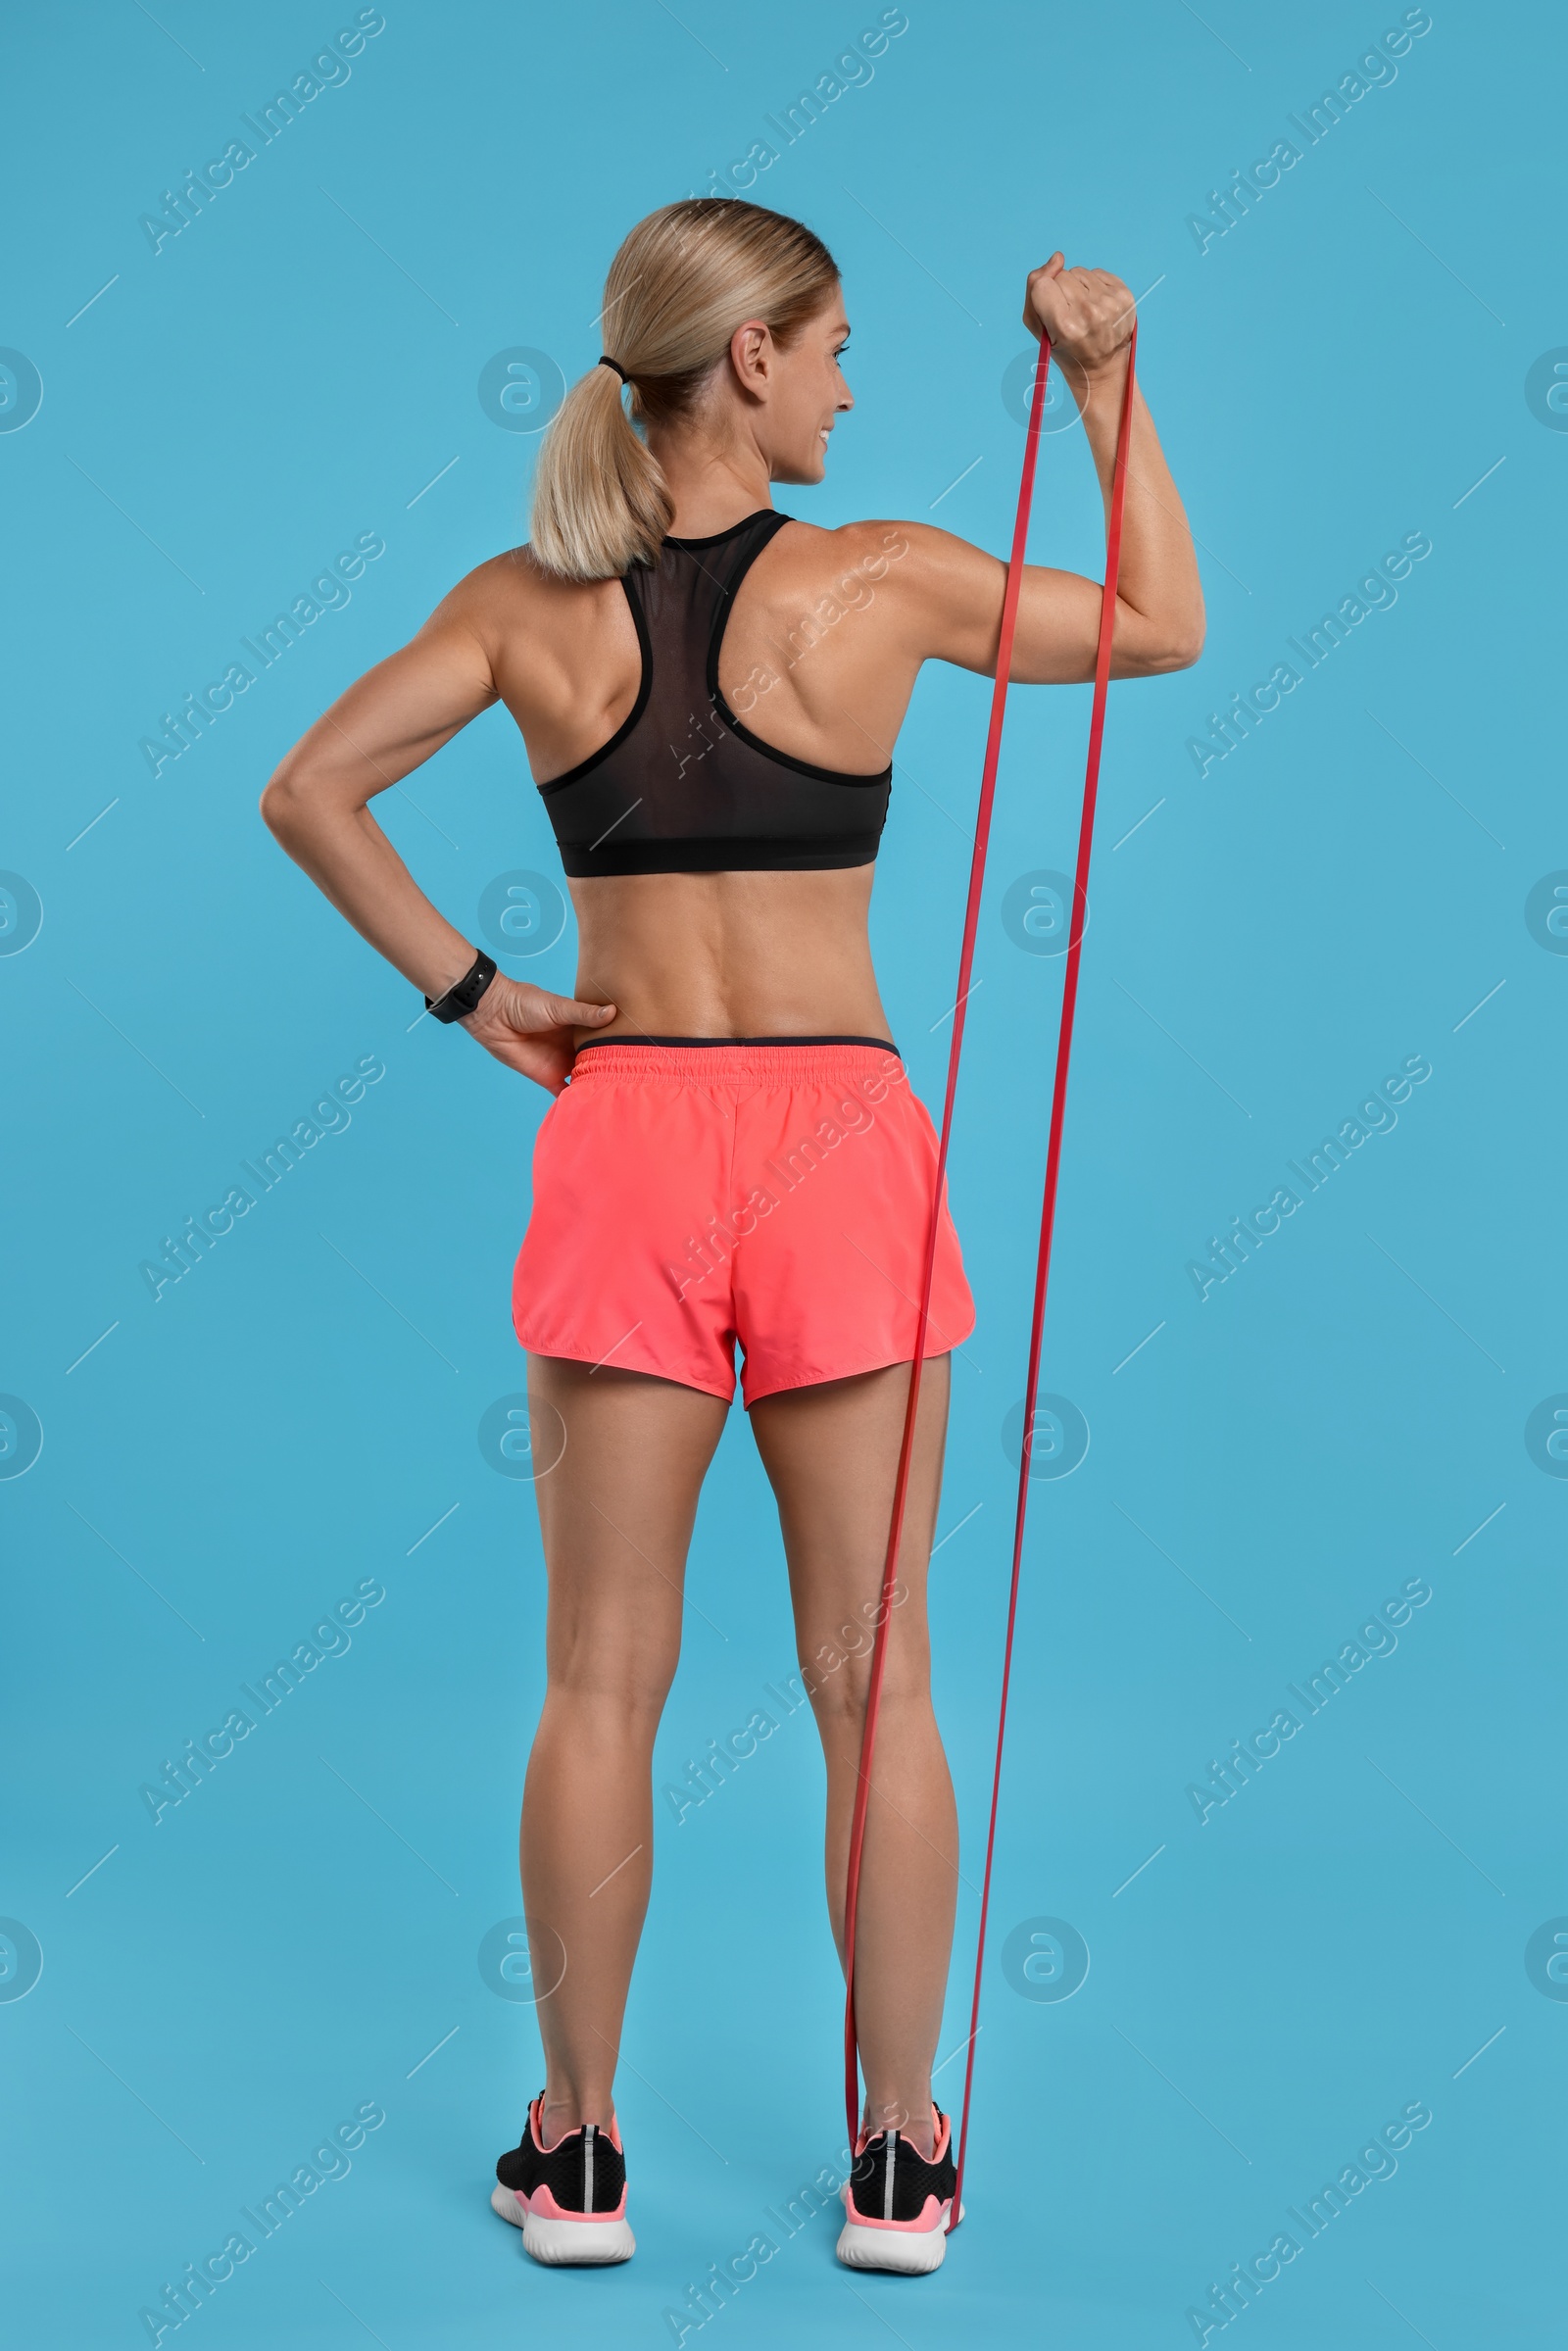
[
  {"x": 953, "y": 592},
  {"x": 318, "y": 807}
]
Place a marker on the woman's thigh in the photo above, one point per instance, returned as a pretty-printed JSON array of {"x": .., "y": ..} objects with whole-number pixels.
[
  {"x": 626, "y": 1455},
  {"x": 831, "y": 1453}
]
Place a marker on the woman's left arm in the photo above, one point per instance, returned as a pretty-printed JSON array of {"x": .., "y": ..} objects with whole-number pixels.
[{"x": 317, "y": 805}]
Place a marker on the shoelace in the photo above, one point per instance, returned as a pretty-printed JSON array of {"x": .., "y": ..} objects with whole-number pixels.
[{"x": 1048, "y": 1214}]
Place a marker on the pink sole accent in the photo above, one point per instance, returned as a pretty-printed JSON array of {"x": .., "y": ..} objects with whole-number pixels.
[
  {"x": 932, "y": 2215},
  {"x": 542, "y": 2204}
]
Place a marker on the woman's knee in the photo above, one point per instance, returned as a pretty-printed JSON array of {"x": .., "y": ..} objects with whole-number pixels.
[{"x": 623, "y": 1682}]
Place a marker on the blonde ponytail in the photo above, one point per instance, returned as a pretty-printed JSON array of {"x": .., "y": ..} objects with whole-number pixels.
[{"x": 682, "y": 283}]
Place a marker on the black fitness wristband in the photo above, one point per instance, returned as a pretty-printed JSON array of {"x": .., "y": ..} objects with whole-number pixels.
[{"x": 459, "y": 1001}]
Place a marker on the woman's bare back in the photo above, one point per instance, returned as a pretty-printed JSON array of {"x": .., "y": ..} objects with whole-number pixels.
[{"x": 817, "y": 663}]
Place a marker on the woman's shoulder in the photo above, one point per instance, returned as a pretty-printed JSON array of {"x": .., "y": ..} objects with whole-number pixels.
[
  {"x": 880, "y": 549},
  {"x": 514, "y": 589},
  {"x": 845, "y": 546},
  {"x": 515, "y": 573}
]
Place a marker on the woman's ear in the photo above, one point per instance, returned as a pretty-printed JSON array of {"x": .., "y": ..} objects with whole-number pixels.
[{"x": 750, "y": 351}]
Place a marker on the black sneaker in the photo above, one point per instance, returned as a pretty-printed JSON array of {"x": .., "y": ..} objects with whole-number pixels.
[
  {"x": 898, "y": 2207},
  {"x": 569, "y": 2200}
]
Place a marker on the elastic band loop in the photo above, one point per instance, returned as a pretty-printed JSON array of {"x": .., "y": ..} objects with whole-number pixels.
[
  {"x": 988, "y": 782},
  {"x": 1047, "y": 1204},
  {"x": 605, "y": 361}
]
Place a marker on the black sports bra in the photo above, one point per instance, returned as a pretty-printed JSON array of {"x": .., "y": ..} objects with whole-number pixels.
[{"x": 683, "y": 787}]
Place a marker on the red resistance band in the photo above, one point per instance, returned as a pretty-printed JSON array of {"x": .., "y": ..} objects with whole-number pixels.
[{"x": 1047, "y": 1213}]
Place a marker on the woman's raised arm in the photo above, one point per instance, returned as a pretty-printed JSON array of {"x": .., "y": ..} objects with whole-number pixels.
[{"x": 956, "y": 589}]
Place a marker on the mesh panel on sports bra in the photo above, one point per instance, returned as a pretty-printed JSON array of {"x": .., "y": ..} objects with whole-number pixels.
[{"x": 683, "y": 787}]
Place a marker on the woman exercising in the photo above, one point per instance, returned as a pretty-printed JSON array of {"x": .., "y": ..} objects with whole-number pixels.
[{"x": 709, "y": 691}]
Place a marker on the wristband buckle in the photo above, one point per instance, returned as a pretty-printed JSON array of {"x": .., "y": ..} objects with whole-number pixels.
[{"x": 463, "y": 999}]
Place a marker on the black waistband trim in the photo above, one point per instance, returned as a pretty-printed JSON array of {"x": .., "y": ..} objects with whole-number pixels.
[
  {"x": 880, "y": 1044},
  {"x": 828, "y": 852}
]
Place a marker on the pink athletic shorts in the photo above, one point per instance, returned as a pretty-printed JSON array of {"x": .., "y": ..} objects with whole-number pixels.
[{"x": 688, "y": 1195}]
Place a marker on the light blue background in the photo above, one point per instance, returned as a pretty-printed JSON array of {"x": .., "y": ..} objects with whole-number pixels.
[{"x": 1337, "y": 370}]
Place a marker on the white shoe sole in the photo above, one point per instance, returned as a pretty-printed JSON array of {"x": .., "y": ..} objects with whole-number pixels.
[
  {"x": 563, "y": 2244},
  {"x": 912, "y": 2252}
]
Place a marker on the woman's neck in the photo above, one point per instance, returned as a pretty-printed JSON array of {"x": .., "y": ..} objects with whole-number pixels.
[{"x": 711, "y": 487}]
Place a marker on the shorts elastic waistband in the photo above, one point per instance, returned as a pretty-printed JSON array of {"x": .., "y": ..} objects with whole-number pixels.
[{"x": 762, "y": 1061}]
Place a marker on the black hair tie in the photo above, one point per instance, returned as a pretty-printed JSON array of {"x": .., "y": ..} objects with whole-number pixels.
[{"x": 605, "y": 361}]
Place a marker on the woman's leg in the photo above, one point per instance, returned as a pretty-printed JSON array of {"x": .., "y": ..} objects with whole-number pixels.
[
  {"x": 831, "y": 1453},
  {"x": 616, "y": 1514}
]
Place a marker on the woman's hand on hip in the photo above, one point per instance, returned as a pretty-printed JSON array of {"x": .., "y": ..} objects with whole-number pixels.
[
  {"x": 1088, "y": 313},
  {"x": 531, "y": 1030}
]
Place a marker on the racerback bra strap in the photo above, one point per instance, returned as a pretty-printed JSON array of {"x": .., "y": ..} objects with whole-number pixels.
[{"x": 684, "y": 786}]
